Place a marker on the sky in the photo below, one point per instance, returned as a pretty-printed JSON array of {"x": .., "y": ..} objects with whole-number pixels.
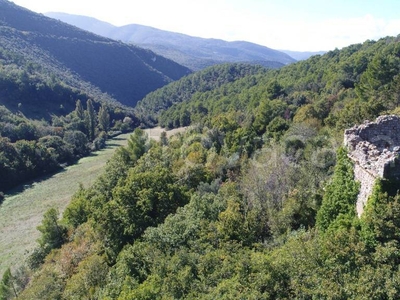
[{"x": 298, "y": 25}]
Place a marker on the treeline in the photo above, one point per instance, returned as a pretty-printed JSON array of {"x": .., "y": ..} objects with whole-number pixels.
[{"x": 31, "y": 148}]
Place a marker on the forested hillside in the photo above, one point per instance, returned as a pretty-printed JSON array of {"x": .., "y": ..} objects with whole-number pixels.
[
  {"x": 125, "y": 72},
  {"x": 150, "y": 107},
  {"x": 255, "y": 201},
  {"x": 63, "y": 90},
  {"x": 338, "y": 89},
  {"x": 49, "y": 116}
]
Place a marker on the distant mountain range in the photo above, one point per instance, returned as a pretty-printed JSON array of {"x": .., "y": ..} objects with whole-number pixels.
[
  {"x": 193, "y": 52},
  {"x": 124, "y": 72},
  {"x": 303, "y": 55}
]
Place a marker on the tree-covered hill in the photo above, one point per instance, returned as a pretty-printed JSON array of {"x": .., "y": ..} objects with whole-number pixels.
[
  {"x": 338, "y": 89},
  {"x": 64, "y": 90},
  {"x": 209, "y": 79},
  {"x": 193, "y": 52},
  {"x": 125, "y": 72},
  {"x": 36, "y": 84},
  {"x": 50, "y": 115}
]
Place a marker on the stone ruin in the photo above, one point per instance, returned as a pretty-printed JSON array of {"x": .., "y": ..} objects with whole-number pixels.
[{"x": 374, "y": 147}]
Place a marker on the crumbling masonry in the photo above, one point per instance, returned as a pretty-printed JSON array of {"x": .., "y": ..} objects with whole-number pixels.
[{"x": 374, "y": 147}]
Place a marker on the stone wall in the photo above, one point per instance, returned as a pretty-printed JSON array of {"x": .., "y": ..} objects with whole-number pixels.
[
  {"x": 367, "y": 181},
  {"x": 384, "y": 133},
  {"x": 374, "y": 149}
]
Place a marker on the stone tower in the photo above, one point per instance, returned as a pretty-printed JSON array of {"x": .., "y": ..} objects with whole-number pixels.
[{"x": 374, "y": 147}]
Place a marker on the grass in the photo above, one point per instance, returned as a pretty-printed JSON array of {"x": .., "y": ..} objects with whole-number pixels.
[
  {"x": 155, "y": 133},
  {"x": 23, "y": 208}
]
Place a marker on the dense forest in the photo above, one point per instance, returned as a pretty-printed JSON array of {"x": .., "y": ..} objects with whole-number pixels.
[
  {"x": 151, "y": 106},
  {"x": 256, "y": 200},
  {"x": 337, "y": 90}
]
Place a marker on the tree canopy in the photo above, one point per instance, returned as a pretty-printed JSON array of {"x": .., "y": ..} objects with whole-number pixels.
[{"x": 255, "y": 200}]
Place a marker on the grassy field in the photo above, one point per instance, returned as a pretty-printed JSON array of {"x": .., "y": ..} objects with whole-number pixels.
[
  {"x": 23, "y": 208},
  {"x": 155, "y": 133}
]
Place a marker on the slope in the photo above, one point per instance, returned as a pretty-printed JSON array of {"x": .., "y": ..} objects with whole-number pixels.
[
  {"x": 194, "y": 52},
  {"x": 124, "y": 71},
  {"x": 339, "y": 89},
  {"x": 211, "y": 78}
]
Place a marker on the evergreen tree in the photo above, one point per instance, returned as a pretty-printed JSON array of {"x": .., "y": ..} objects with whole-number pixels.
[
  {"x": 339, "y": 202},
  {"x": 164, "y": 138},
  {"x": 137, "y": 146},
  {"x": 104, "y": 118},
  {"x": 53, "y": 233},
  {"x": 90, "y": 118},
  {"x": 79, "y": 111}
]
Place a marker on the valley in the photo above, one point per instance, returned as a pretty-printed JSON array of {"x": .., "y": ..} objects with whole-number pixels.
[
  {"x": 250, "y": 194},
  {"x": 23, "y": 207}
]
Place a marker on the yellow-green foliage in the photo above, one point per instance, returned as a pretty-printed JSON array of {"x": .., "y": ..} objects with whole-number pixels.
[{"x": 224, "y": 213}]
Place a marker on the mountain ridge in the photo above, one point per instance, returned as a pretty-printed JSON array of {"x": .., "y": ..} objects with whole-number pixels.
[
  {"x": 96, "y": 59},
  {"x": 194, "y": 52}
]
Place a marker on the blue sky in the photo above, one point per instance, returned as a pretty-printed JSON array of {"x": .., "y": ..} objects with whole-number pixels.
[{"x": 300, "y": 25}]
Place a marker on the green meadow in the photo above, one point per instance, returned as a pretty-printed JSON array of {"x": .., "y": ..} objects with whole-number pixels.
[{"x": 23, "y": 208}]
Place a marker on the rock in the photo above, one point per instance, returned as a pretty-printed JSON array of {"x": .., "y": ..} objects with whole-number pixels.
[{"x": 374, "y": 148}]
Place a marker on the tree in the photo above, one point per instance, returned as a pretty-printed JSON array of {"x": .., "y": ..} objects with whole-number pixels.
[
  {"x": 266, "y": 112},
  {"x": 53, "y": 236},
  {"x": 380, "y": 220},
  {"x": 104, "y": 118},
  {"x": 143, "y": 199},
  {"x": 48, "y": 284},
  {"x": 76, "y": 212},
  {"x": 163, "y": 138},
  {"x": 339, "y": 201},
  {"x": 53, "y": 233},
  {"x": 136, "y": 146},
  {"x": 78, "y": 122},
  {"x": 90, "y": 119},
  {"x": 7, "y": 287},
  {"x": 91, "y": 275},
  {"x": 78, "y": 142},
  {"x": 274, "y": 90},
  {"x": 79, "y": 111}
]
